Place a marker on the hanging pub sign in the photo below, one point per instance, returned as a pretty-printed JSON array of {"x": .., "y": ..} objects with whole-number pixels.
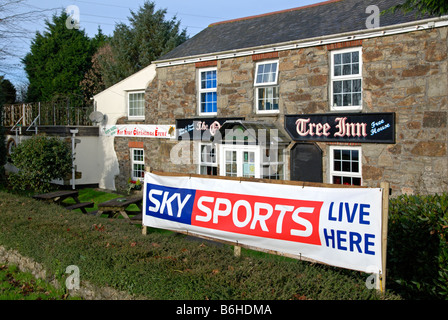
[
  {"x": 358, "y": 127},
  {"x": 202, "y": 129}
]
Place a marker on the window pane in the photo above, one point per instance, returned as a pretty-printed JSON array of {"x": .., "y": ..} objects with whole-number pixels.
[
  {"x": 209, "y": 102},
  {"x": 346, "y": 57},
  {"x": 346, "y": 162},
  {"x": 337, "y": 100},
  {"x": 355, "y": 166},
  {"x": 266, "y": 73},
  {"x": 337, "y": 154},
  {"x": 346, "y": 64},
  {"x": 337, "y": 87},
  {"x": 356, "y": 85},
  {"x": 347, "y": 69},
  {"x": 347, "y": 86},
  {"x": 208, "y": 79},
  {"x": 139, "y": 171},
  {"x": 337, "y": 180},
  {"x": 209, "y": 171},
  {"x": 346, "y": 155},
  {"x": 337, "y": 70},
  {"x": 337, "y": 166},
  {"x": 268, "y": 98},
  {"x": 208, "y": 154},
  {"x": 138, "y": 155},
  {"x": 347, "y": 180},
  {"x": 347, "y": 100},
  {"x": 136, "y": 104},
  {"x": 346, "y": 167},
  {"x": 337, "y": 59},
  {"x": 248, "y": 164}
]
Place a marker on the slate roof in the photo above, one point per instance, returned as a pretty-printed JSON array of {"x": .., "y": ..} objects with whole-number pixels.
[{"x": 326, "y": 18}]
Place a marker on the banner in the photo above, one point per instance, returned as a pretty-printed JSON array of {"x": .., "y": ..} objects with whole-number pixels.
[
  {"x": 335, "y": 226},
  {"x": 141, "y": 131}
]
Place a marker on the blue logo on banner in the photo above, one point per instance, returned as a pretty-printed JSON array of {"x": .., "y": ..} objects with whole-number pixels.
[{"x": 172, "y": 204}]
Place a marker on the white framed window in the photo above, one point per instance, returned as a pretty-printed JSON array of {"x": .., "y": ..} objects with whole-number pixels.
[
  {"x": 346, "y": 79},
  {"x": 207, "y": 95},
  {"x": 266, "y": 87},
  {"x": 137, "y": 164},
  {"x": 136, "y": 105},
  {"x": 208, "y": 161},
  {"x": 346, "y": 165}
]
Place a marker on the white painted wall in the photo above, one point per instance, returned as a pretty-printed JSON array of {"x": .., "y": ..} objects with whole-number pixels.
[
  {"x": 87, "y": 159},
  {"x": 112, "y": 102}
]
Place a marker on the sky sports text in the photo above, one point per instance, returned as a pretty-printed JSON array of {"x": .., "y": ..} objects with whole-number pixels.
[{"x": 259, "y": 216}]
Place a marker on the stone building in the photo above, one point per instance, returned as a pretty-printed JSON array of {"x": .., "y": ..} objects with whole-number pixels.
[{"x": 331, "y": 92}]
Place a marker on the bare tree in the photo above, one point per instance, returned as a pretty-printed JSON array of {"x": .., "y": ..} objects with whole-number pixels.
[{"x": 14, "y": 17}]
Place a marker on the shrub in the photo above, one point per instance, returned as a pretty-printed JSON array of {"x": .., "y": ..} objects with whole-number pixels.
[
  {"x": 417, "y": 246},
  {"x": 40, "y": 160}
]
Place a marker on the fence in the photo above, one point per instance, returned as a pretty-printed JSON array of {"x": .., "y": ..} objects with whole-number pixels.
[{"x": 60, "y": 112}]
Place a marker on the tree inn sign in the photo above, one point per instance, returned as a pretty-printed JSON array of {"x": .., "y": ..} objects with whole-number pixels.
[{"x": 350, "y": 127}]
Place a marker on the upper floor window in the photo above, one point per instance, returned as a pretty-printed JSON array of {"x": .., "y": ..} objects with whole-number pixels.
[
  {"x": 346, "y": 84},
  {"x": 136, "y": 105},
  {"x": 207, "y": 91},
  {"x": 266, "y": 87}
]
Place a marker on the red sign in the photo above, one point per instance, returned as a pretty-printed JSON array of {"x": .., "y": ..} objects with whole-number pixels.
[{"x": 284, "y": 219}]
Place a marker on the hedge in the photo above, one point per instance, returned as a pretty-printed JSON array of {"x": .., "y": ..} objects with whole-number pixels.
[
  {"x": 164, "y": 265},
  {"x": 417, "y": 260}
]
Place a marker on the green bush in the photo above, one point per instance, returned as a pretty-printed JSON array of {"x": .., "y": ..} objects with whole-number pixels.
[
  {"x": 40, "y": 160},
  {"x": 417, "y": 246}
]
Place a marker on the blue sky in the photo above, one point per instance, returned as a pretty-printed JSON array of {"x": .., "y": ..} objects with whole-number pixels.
[{"x": 195, "y": 15}]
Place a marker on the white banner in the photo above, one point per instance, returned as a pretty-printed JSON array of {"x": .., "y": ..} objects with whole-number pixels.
[
  {"x": 141, "y": 131},
  {"x": 335, "y": 226}
]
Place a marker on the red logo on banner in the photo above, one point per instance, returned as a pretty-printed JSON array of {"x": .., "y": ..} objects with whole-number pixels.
[{"x": 275, "y": 218}]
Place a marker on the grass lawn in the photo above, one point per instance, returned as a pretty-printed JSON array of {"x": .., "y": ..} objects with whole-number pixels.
[{"x": 162, "y": 265}]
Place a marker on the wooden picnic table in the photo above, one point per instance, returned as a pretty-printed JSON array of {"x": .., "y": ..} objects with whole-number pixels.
[
  {"x": 118, "y": 206},
  {"x": 59, "y": 196}
]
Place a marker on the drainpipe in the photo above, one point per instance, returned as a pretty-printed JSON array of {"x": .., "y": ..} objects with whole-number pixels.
[{"x": 73, "y": 132}]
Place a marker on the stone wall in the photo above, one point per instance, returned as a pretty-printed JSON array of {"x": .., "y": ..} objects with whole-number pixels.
[
  {"x": 405, "y": 74},
  {"x": 86, "y": 290}
]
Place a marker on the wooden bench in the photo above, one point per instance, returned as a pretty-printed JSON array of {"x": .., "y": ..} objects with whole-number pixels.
[
  {"x": 81, "y": 206},
  {"x": 118, "y": 206}
]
